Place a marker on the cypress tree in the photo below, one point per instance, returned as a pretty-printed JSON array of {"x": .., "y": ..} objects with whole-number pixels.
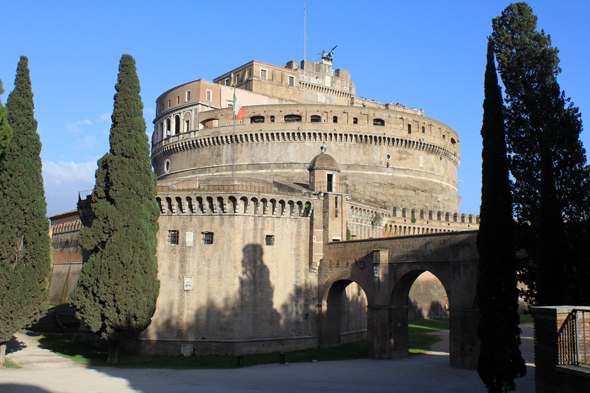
[
  {"x": 500, "y": 360},
  {"x": 5, "y": 129},
  {"x": 118, "y": 287},
  {"x": 548, "y": 163},
  {"x": 24, "y": 240}
]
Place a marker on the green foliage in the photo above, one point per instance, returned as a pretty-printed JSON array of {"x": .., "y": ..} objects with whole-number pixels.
[
  {"x": 551, "y": 180},
  {"x": 500, "y": 360},
  {"x": 413, "y": 220},
  {"x": 529, "y": 65},
  {"x": 376, "y": 220},
  {"x": 118, "y": 287},
  {"x": 5, "y": 129},
  {"x": 24, "y": 243}
]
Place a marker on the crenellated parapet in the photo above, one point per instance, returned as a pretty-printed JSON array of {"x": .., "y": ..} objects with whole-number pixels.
[{"x": 238, "y": 204}]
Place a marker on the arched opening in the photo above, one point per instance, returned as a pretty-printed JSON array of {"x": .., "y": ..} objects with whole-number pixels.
[
  {"x": 176, "y": 125},
  {"x": 379, "y": 122},
  {"x": 315, "y": 119},
  {"x": 418, "y": 294},
  {"x": 427, "y": 298},
  {"x": 344, "y": 315},
  {"x": 257, "y": 119}
]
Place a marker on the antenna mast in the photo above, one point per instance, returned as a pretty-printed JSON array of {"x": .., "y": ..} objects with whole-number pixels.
[{"x": 304, "y": 37}]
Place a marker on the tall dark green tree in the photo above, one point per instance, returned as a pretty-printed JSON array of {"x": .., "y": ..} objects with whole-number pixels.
[
  {"x": 547, "y": 160},
  {"x": 24, "y": 239},
  {"x": 118, "y": 287},
  {"x": 5, "y": 129},
  {"x": 529, "y": 65},
  {"x": 500, "y": 360}
]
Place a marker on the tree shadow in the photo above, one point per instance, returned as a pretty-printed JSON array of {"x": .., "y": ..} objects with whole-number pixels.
[{"x": 14, "y": 345}]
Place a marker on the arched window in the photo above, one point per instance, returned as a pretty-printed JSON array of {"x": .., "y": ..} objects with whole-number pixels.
[
  {"x": 378, "y": 122},
  {"x": 315, "y": 119},
  {"x": 176, "y": 125},
  {"x": 168, "y": 127},
  {"x": 257, "y": 119}
]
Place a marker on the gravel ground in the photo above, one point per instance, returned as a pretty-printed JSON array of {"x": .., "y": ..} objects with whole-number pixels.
[{"x": 45, "y": 372}]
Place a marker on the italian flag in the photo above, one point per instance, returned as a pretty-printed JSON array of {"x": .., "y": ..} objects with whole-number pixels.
[{"x": 238, "y": 109}]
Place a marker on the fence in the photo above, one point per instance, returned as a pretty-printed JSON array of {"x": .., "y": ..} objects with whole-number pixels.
[{"x": 574, "y": 335}]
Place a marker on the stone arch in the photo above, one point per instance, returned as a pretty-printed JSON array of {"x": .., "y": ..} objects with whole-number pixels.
[
  {"x": 232, "y": 205},
  {"x": 333, "y": 302}
]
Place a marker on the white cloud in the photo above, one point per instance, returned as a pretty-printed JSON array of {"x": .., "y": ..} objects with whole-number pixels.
[
  {"x": 104, "y": 117},
  {"x": 76, "y": 127},
  {"x": 63, "y": 181}
]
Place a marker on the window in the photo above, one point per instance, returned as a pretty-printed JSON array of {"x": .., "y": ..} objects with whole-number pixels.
[
  {"x": 173, "y": 237},
  {"x": 177, "y": 100},
  {"x": 378, "y": 122},
  {"x": 292, "y": 118},
  {"x": 262, "y": 74},
  {"x": 176, "y": 125},
  {"x": 167, "y": 166},
  {"x": 168, "y": 103},
  {"x": 355, "y": 120},
  {"x": 186, "y": 126},
  {"x": 423, "y": 130},
  {"x": 315, "y": 119},
  {"x": 227, "y": 81},
  {"x": 270, "y": 240},
  {"x": 272, "y": 118},
  {"x": 188, "y": 96},
  {"x": 291, "y": 81},
  {"x": 209, "y": 95},
  {"x": 207, "y": 237},
  {"x": 409, "y": 128},
  {"x": 257, "y": 119},
  {"x": 335, "y": 119},
  {"x": 168, "y": 127}
]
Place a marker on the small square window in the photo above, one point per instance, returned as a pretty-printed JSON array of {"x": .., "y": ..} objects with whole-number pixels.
[
  {"x": 270, "y": 240},
  {"x": 207, "y": 237},
  {"x": 173, "y": 237}
]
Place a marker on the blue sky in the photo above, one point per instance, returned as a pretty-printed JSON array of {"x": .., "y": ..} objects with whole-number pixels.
[{"x": 424, "y": 54}]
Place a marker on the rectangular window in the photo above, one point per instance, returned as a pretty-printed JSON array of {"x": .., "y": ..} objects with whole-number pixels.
[
  {"x": 168, "y": 103},
  {"x": 270, "y": 240},
  {"x": 207, "y": 237},
  {"x": 177, "y": 100},
  {"x": 188, "y": 96},
  {"x": 227, "y": 81},
  {"x": 209, "y": 95},
  {"x": 262, "y": 74},
  {"x": 173, "y": 237},
  {"x": 291, "y": 81},
  {"x": 186, "y": 126}
]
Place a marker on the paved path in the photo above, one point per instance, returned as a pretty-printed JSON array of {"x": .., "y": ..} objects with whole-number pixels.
[{"x": 45, "y": 372}]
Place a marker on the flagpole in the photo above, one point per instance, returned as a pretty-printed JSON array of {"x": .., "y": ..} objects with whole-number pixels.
[{"x": 233, "y": 145}]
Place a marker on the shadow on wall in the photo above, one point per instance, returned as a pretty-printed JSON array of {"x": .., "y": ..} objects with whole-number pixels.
[{"x": 434, "y": 310}]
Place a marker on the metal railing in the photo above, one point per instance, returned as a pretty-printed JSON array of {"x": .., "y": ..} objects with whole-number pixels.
[
  {"x": 82, "y": 195},
  {"x": 574, "y": 339}
]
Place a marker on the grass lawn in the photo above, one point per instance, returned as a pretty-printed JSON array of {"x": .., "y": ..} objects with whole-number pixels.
[
  {"x": 8, "y": 364},
  {"x": 68, "y": 346}
]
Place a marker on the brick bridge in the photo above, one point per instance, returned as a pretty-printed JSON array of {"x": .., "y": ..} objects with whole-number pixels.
[{"x": 386, "y": 269}]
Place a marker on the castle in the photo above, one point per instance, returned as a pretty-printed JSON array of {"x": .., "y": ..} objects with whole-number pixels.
[{"x": 248, "y": 206}]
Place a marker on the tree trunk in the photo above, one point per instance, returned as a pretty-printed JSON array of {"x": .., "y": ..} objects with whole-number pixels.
[
  {"x": 2, "y": 354},
  {"x": 113, "y": 351}
]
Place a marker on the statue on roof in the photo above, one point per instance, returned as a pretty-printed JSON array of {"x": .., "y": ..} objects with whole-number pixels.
[{"x": 328, "y": 56}]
